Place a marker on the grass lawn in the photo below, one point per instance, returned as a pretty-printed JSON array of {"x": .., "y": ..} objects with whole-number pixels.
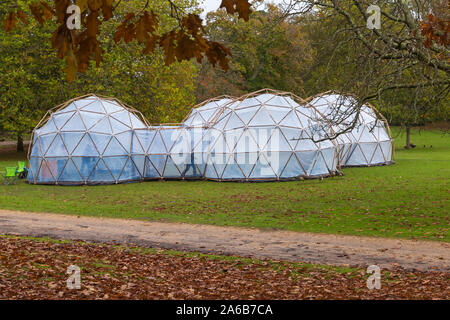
[{"x": 407, "y": 200}]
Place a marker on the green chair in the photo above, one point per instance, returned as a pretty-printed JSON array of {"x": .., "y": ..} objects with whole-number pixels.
[
  {"x": 10, "y": 176},
  {"x": 21, "y": 170}
]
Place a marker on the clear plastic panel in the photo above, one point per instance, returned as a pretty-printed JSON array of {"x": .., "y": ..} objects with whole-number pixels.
[
  {"x": 84, "y": 102},
  {"x": 102, "y": 127},
  {"x": 277, "y": 113},
  {"x": 71, "y": 140},
  {"x": 356, "y": 157},
  {"x": 306, "y": 159},
  {"x": 139, "y": 162},
  {"x": 144, "y": 138},
  {"x": 262, "y": 169},
  {"x": 57, "y": 148},
  {"x": 320, "y": 167},
  {"x": 70, "y": 173},
  {"x": 49, "y": 127},
  {"x": 246, "y": 143},
  {"x": 386, "y": 147},
  {"x": 85, "y": 148},
  {"x": 246, "y": 114},
  {"x": 35, "y": 163},
  {"x": 61, "y": 118},
  {"x": 171, "y": 170},
  {"x": 101, "y": 174},
  {"x": 122, "y": 116},
  {"x": 261, "y": 118},
  {"x": 74, "y": 124},
  {"x": 85, "y": 165},
  {"x": 368, "y": 150},
  {"x": 329, "y": 156},
  {"x": 36, "y": 149},
  {"x": 100, "y": 141},
  {"x": 90, "y": 118},
  {"x": 115, "y": 165},
  {"x": 111, "y": 107},
  {"x": 136, "y": 123},
  {"x": 45, "y": 171},
  {"x": 234, "y": 122},
  {"x": 158, "y": 161},
  {"x": 291, "y": 120},
  {"x": 130, "y": 172},
  {"x": 95, "y": 106},
  {"x": 150, "y": 171},
  {"x": 125, "y": 140},
  {"x": 232, "y": 170},
  {"x": 46, "y": 141},
  {"x": 157, "y": 146},
  {"x": 278, "y": 161},
  {"x": 114, "y": 148},
  {"x": 118, "y": 127},
  {"x": 292, "y": 168},
  {"x": 378, "y": 156}
]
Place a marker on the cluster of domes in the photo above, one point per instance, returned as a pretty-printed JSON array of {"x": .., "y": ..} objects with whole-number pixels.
[{"x": 262, "y": 136}]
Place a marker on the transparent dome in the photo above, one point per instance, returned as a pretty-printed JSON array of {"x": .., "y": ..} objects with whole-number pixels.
[
  {"x": 369, "y": 142},
  {"x": 85, "y": 141}
]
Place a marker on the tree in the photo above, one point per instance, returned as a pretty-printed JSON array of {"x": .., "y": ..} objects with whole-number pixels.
[
  {"x": 29, "y": 72},
  {"x": 32, "y": 79},
  {"x": 80, "y": 46},
  {"x": 268, "y": 51},
  {"x": 408, "y": 54}
]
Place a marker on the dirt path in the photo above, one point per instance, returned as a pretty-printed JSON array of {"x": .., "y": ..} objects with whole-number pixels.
[{"x": 278, "y": 245}]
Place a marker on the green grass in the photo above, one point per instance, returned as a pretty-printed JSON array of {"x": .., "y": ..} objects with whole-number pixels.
[{"x": 407, "y": 200}]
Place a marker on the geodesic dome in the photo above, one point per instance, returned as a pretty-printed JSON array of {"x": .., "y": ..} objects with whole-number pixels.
[
  {"x": 269, "y": 135},
  {"x": 204, "y": 114},
  {"x": 369, "y": 142},
  {"x": 167, "y": 152},
  {"x": 87, "y": 140}
]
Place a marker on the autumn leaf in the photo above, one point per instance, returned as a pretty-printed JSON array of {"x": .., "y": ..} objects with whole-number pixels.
[
  {"x": 10, "y": 21},
  {"x": 22, "y": 16},
  {"x": 167, "y": 43},
  {"x": 243, "y": 9},
  {"x": 95, "y": 5},
  {"x": 71, "y": 67},
  {"x": 228, "y": 5},
  {"x": 92, "y": 24},
  {"x": 83, "y": 4}
]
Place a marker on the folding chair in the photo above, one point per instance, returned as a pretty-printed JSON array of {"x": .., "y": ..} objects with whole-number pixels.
[
  {"x": 10, "y": 176},
  {"x": 21, "y": 170}
]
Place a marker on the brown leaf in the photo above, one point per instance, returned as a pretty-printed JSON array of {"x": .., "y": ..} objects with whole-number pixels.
[
  {"x": 243, "y": 9},
  {"x": 228, "y": 5},
  {"x": 71, "y": 67},
  {"x": 83, "y": 4},
  {"x": 22, "y": 16},
  {"x": 150, "y": 44},
  {"x": 95, "y": 5},
  {"x": 107, "y": 9},
  {"x": 10, "y": 21},
  {"x": 167, "y": 43},
  {"x": 92, "y": 24}
]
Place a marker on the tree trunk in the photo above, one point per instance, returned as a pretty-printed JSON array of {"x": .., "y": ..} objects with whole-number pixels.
[
  {"x": 19, "y": 143},
  {"x": 408, "y": 138}
]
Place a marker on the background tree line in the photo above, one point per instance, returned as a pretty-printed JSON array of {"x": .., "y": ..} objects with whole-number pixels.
[{"x": 298, "y": 49}]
